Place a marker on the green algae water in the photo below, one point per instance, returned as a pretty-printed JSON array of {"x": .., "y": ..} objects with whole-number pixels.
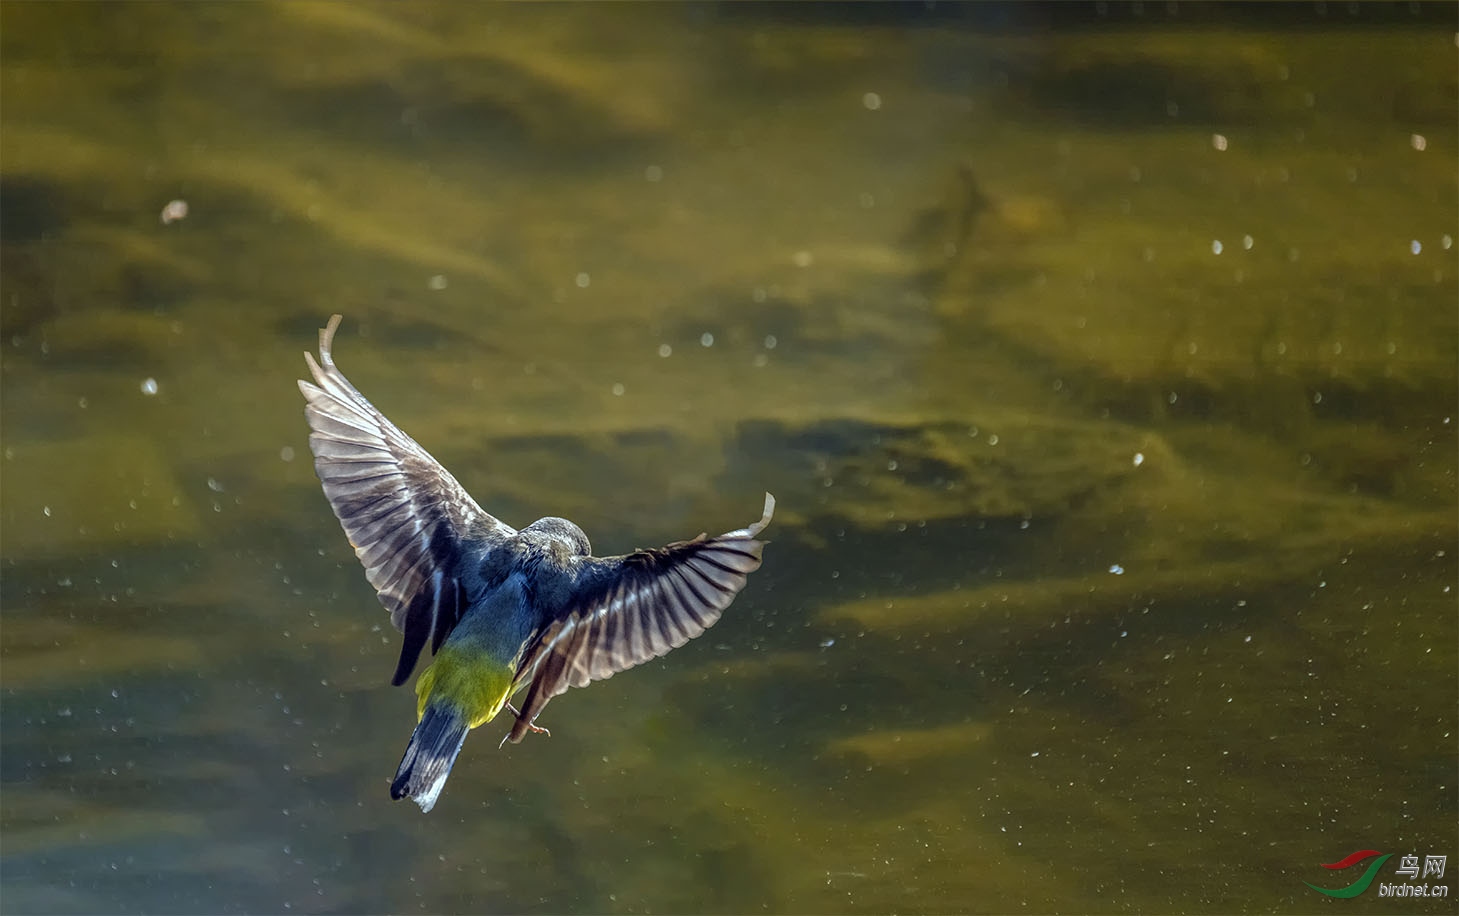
[{"x": 1102, "y": 360}]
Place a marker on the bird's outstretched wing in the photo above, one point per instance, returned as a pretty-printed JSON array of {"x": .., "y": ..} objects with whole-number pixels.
[
  {"x": 630, "y": 609},
  {"x": 405, "y": 515}
]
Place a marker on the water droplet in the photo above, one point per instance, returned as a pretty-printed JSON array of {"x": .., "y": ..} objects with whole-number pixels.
[{"x": 174, "y": 211}]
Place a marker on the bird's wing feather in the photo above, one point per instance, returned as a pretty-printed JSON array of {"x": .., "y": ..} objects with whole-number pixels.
[
  {"x": 630, "y": 609},
  {"x": 404, "y": 513}
]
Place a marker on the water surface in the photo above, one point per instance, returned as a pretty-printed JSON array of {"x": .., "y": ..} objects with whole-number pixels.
[{"x": 1102, "y": 361}]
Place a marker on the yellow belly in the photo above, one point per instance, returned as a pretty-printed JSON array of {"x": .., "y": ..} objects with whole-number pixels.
[{"x": 477, "y": 686}]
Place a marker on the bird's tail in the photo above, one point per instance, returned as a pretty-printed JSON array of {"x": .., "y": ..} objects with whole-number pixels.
[{"x": 430, "y": 755}]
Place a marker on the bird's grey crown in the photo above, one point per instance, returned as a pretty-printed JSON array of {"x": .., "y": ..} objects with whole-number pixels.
[{"x": 564, "y": 532}]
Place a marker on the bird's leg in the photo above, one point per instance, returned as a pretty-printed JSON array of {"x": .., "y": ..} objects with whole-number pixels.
[{"x": 532, "y": 726}]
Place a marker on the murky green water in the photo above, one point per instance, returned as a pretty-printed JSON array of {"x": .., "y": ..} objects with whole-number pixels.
[{"x": 1103, "y": 364}]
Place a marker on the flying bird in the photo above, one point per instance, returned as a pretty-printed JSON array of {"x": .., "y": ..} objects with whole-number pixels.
[{"x": 500, "y": 609}]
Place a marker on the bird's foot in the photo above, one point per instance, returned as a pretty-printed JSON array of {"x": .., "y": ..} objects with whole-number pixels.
[{"x": 531, "y": 726}]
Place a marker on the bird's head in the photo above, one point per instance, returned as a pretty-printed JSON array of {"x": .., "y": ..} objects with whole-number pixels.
[{"x": 560, "y": 531}]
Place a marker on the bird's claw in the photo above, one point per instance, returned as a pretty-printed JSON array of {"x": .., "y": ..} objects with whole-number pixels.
[{"x": 531, "y": 726}]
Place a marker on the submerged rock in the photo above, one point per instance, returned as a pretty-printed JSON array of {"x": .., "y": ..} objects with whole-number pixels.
[{"x": 872, "y": 474}]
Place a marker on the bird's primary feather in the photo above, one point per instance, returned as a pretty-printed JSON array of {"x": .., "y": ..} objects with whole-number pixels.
[
  {"x": 627, "y": 610},
  {"x": 404, "y": 513}
]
